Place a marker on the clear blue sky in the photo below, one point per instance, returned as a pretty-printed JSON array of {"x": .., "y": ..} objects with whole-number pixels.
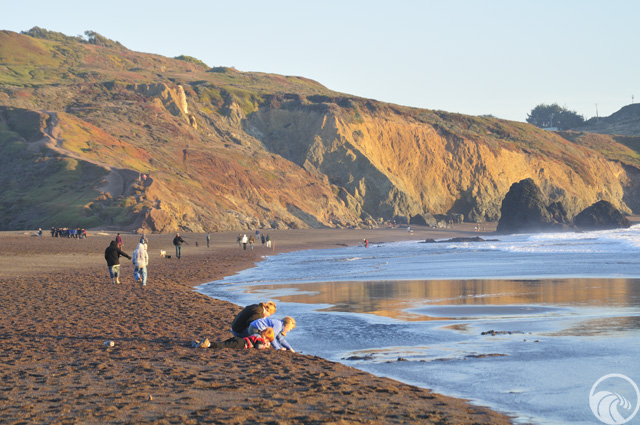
[{"x": 468, "y": 56}]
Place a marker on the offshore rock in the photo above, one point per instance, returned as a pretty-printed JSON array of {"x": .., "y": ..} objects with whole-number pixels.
[
  {"x": 524, "y": 209},
  {"x": 601, "y": 216}
]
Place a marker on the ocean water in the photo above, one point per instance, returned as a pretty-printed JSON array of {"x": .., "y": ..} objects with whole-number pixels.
[{"x": 531, "y": 325}]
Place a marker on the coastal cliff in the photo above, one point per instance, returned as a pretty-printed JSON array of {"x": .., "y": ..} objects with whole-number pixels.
[{"x": 109, "y": 137}]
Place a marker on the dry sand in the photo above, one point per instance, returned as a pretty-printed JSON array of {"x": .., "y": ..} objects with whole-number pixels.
[{"x": 57, "y": 308}]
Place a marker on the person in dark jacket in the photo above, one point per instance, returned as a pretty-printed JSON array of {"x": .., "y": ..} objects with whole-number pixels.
[
  {"x": 240, "y": 325},
  {"x": 112, "y": 254},
  {"x": 178, "y": 241}
]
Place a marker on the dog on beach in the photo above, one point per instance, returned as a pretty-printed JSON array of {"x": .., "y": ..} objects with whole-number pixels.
[{"x": 163, "y": 253}]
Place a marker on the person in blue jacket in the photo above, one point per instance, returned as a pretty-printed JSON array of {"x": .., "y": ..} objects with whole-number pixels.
[{"x": 280, "y": 329}]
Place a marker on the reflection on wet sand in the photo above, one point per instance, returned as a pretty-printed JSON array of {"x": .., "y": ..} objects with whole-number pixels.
[{"x": 403, "y": 299}]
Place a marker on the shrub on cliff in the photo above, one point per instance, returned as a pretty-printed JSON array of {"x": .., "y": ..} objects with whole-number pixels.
[{"x": 545, "y": 116}]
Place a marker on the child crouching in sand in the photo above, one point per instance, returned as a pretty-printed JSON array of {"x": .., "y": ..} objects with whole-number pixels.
[
  {"x": 280, "y": 329},
  {"x": 260, "y": 341}
]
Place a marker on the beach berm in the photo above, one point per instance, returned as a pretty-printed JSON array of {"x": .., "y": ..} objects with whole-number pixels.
[{"x": 59, "y": 308}]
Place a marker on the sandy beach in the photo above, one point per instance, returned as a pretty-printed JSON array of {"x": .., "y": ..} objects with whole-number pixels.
[{"x": 58, "y": 308}]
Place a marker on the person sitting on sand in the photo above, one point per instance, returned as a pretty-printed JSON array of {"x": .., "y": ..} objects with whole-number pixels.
[
  {"x": 240, "y": 325},
  {"x": 259, "y": 341},
  {"x": 280, "y": 329},
  {"x": 112, "y": 254}
]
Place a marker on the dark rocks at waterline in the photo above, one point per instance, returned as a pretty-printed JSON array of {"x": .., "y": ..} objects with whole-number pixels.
[
  {"x": 524, "y": 209},
  {"x": 367, "y": 357},
  {"x": 494, "y": 332},
  {"x": 423, "y": 220},
  {"x": 460, "y": 239},
  {"x": 601, "y": 216}
]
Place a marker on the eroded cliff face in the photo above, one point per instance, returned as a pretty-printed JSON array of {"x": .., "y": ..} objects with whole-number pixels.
[
  {"x": 392, "y": 164},
  {"x": 220, "y": 149}
]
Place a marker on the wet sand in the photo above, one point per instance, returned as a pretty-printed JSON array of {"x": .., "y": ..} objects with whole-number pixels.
[{"x": 58, "y": 308}]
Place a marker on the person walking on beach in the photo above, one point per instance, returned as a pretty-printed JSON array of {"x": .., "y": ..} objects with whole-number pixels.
[
  {"x": 280, "y": 329},
  {"x": 251, "y": 241},
  {"x": 244, "y": 241},
  {"x": 259, "y": 341},
  {"x": 178, "y": 241},
  {"x": 144, "y": 241},
  {"x": 240, "y": 325},
  {"x": 208, "y": 239},
  {"x": 262, "y": 238},
  {"x": 268, "y": 238},
  {"x": 112, "y": 254},
  {"x": 140, "y": 259},
  {"x": 119, "y": 241}
]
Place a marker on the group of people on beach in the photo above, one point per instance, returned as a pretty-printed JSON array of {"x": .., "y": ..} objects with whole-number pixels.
[
  {"x": 139, "y": 257},
  {"x": 253, "y": 328},
  {"x": 65, "y": 232},
  {"x": 243, "y": 240}
]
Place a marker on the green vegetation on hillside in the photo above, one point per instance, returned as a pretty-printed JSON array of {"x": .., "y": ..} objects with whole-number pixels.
[
  {"x": 191, "y": 59},
  {"x": 554, "y": 116}
]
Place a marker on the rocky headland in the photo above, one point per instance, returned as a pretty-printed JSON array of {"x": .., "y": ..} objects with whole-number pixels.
[{"x": 104, "y": 136}]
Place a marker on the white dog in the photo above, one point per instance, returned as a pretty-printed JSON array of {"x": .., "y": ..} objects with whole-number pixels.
[{"x": 163, "y": 253}]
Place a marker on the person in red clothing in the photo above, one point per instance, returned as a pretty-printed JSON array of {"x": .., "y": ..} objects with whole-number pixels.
[
  {"x": 260, "y": 341},
  {"x": 119, "y": 241}
]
